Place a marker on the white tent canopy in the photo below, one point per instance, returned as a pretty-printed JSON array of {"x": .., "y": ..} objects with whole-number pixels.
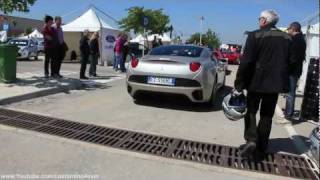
[
  {"x": 36, "y": 34},
  {"x": 314, "y": 29},
  {"x": 140, "y": 38},
  {"x": 87, "y": 21},
  {"x": 90, "y": 21}
]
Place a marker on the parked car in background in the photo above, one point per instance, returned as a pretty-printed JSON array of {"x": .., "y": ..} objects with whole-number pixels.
[
  {"x": 40, "y": 44},
  {"x": 186, "y": 70},
  {"x": 27, "y": 47},
  {"x": 232, "y": 57}
]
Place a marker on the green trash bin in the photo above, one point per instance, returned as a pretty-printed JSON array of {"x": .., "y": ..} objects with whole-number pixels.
[{"x": 8, "y": 64}]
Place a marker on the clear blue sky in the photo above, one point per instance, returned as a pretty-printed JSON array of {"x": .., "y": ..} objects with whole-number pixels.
[{"x": 229, "y": 18}]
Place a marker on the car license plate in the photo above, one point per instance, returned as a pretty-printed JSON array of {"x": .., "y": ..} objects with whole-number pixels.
[{"x": 161, "y": 81}]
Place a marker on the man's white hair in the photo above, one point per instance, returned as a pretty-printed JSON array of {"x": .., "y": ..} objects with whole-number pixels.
[{"x": 271, "y": 16}]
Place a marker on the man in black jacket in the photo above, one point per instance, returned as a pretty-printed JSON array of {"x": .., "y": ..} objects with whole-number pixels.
[
  {"x": 298, "y": 54},
  {"x": 264, "y": 73},
  {"x": 85, "y": 52}
]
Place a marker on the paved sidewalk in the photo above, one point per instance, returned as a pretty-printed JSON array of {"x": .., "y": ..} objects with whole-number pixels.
[{"x": 32, "y": 85}]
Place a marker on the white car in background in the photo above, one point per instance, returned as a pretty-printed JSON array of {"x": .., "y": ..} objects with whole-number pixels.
[
  {"x": 27, "y": 47},
  {"x": 40, "y": 44}
]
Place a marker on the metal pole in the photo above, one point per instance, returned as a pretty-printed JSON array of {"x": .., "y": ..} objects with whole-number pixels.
[
  {"x": 201, "y": 21},
  {"x": 144, "y": 35}
]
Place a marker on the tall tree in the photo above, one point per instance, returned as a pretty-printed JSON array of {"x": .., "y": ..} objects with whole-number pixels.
[
  {"x": 158, "y": 22},
  {"x": 8, "y": 6},
  {"x": 210, "y": 39}
]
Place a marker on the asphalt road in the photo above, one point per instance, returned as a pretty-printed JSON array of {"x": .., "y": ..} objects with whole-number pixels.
[{"x": 110, "y": 105}]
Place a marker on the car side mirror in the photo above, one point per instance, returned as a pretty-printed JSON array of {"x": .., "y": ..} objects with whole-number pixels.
[{"x": 223, "y": 61}]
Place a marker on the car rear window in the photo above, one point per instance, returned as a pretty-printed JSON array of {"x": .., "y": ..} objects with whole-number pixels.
[{"x": 188, "y": 51}]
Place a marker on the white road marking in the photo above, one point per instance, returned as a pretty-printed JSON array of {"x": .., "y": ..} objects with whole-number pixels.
[{"x": 297, "y": 141}]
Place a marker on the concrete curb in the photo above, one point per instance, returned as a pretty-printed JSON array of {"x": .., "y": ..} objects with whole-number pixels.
[{"x": 41, "y": 93}]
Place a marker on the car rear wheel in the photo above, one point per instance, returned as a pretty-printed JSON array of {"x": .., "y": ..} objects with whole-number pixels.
[
  {"x": 36, "y": 57},
  {"x": 212, "y": 100}
]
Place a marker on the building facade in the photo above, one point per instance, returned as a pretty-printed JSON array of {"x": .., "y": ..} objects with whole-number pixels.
[{"x": 17, "y": 26}]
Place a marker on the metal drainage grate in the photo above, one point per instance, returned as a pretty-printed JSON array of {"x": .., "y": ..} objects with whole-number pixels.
[{"x": 212, "y": 154}]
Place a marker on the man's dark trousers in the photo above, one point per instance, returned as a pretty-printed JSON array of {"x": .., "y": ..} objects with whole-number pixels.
[
  {"x": 49, "y": 59},
  {"x": 260, "y": 134},
  {"x": 84, "y": 62},
  {"x": 60, "y": 52}
]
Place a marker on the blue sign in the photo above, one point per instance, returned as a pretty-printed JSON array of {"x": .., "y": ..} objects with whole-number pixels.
[
  {"x": 145, "y": 21},
  {"x": 5, "y": 26},
  {"x": 110, "y": 39}
]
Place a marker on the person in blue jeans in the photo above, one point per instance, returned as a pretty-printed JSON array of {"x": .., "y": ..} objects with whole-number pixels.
[
  {"x": 298, "y": 54},
  {"x": 119, "y": 47}
]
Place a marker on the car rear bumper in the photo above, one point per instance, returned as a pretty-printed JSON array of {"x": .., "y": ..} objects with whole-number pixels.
[{"x": 194, "y": 94}]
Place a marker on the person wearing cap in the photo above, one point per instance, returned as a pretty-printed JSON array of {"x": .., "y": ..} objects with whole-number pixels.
[
  {"x": 264, "y": 73},
  {"x": 299, "y": 54}
]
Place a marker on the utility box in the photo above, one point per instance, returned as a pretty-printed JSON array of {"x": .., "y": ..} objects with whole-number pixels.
[{"x": 8, "y": 63}]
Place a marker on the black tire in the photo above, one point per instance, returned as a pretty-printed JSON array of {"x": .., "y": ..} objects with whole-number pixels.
[
  {"x": 213, "y": 97},
  {"x": 36, "y": 57},
  {"x": 224, "y": 83}
]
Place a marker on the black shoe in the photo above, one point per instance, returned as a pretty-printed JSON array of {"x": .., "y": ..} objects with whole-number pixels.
[
  {"x": 46, "y": 76},
  {"x": 55, "y": 76},
  {"x": 84, "y": 77},
  {"x": 248, "y": 149},
  {"x": 260, "y": 155},
  {"x": 95, "y": 75},
  {"x": 59, "y": 75}
]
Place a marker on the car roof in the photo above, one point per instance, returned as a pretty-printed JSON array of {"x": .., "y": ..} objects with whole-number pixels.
[
  {"x": 20, "y": 38},
  {"x": 185, "y": 45}
]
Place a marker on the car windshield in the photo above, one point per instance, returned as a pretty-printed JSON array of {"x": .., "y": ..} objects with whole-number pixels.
[
  {"x": 19, "y": 42},
  {"x": 188, "y": 51}
]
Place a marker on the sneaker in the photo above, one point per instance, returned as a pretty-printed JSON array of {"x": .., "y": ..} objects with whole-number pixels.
[{"x": 248, "y": 149}]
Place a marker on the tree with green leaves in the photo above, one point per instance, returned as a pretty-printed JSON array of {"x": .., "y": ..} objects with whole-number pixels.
[
  {"x": 158, "y": 22},
  {"x": 28, "y": 30},
  {"x": 8, "y": 6},
  {"x": 210, "y": 39}
]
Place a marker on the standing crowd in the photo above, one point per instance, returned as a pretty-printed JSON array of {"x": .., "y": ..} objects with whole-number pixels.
[
  {"x": 90, "y": 51},
  {"x": 55, "y": 50},
  {"x": 54, "y": 46}
]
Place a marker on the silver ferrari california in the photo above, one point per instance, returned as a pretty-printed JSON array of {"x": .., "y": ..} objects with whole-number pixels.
[{"x": 187, "y": 70}]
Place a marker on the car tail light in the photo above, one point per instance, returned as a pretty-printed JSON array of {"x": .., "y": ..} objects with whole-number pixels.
[
  {"x": 134, "y": 62},
  {"x": 195, "y": 66}
]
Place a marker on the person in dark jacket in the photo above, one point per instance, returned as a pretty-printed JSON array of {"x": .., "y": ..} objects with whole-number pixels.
[
  {"x": 85, "y": 52},
  {"x": 94, "y": 54},
  {"x": 299, "y": 54},
  {"x": 126, "y": 51},
  {"x": 155, "y": 43},
  {"x": 264, "y": 73}
]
